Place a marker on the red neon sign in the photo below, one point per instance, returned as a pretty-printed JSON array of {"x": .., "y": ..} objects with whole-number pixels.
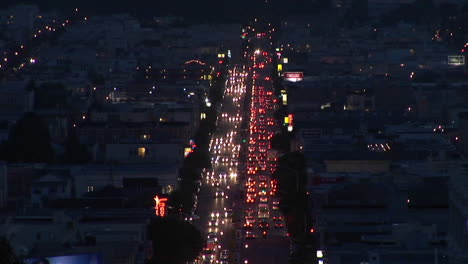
[
  {"x": 160, "y": 206},
  {"x": 298, "y": 75}
]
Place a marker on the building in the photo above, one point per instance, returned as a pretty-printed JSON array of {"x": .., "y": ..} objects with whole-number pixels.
[
  {"x": 458, "y": 217},
  {"x": 367, "y": 220},
  {"x": 50, "y": 187},
  {"x": 97, "y": 176},
  {"x": 115, "y": 236}
]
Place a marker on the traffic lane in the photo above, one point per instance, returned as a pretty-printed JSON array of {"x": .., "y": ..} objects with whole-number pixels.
[
  {"x": 272, "y": 250},
  {"x": 206, "y": 203}
]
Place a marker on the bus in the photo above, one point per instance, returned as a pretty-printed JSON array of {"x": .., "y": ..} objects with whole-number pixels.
[{"x": 263, "y": 211}]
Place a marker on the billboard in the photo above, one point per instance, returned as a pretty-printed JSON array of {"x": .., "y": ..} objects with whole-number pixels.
[
  {"x": 293, "y": 76},
  {"x": 456, "y": 60},
  {"x": 70, "y": 259}
]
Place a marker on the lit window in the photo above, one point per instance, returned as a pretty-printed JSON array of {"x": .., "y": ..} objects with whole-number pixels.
[
  {"x": 90, "y": 188},
  {"x": 141, "y": 152}
]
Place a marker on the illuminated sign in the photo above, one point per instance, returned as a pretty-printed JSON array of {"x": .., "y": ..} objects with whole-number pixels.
[
  {"x": 293, "y": 76},
  {"x": 288, "y": 119},
  {"x": 280, "y": 67},
  {"x": 195, "y": 61},
  {"x": 319, "y": 254},
  {"x": 160, "y": 207},
  {"x": 456, "y": 60},
  {"x": 285, "y": 60},
  {"x": 284, "y": 96},
  {"x": 187, "y": 151}
]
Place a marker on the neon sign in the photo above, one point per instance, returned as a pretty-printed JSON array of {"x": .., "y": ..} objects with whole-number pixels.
[
  {"x": 195, "y": 61},
  {"x": 160, "y": 207}
]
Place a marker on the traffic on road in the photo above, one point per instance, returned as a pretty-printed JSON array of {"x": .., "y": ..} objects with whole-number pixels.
[{"x": 239, "y": 212}]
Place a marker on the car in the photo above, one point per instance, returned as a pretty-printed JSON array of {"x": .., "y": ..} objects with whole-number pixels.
[
  {"x": 214, "y": 215},
  {"x": 248, "y": 225},
  {"x": 278, "y": 225},
  {"x": 249, "y": 212},
  {"x": 213, "y": 236},
  {"x": 263, "y": 224},
  {"x": 228, "y": 213},
  {"x": 208, "y": 254},
  {"x": 263, "y": 199},
  {"x": 211, "y": 243},
  {"x": 251, "y": 190},
  {"x": 223, "y": 175},
  {"x": 219, "y": 194},
  {"x": 277, "y": 218},
  {"x": 215, "y": 183},
  {"x": 224, "y": 255},
  {"x": 191, "y": 218},
  {"x": 249, "y": 235},
  {"x": 250, "y": 218},
  {"x": 213, "y": 223}
]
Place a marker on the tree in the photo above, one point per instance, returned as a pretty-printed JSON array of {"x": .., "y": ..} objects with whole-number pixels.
[
  {"x": 75, "y": 152},
  {"x": 292, "y": 179},
  {"x": 29, "y": 141},
  {"x": 281, "y": 142},
  {"x": 189, "y": 174},
  {"x": 199, "y": 159},
  {"x": 51, "y": 95},
  {"x": 174, "y": 241},
  {"x": 7, "y": 254},
  {"x": 175, "y": 202}
]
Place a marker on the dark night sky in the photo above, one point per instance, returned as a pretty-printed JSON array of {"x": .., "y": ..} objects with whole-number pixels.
[{"x": 195, "y": 10}]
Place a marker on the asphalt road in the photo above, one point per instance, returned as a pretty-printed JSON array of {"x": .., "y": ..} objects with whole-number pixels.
[{"x": 225, "y": 185}]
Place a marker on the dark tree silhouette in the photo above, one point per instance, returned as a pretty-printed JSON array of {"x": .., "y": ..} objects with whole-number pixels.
[
  {"x": 292, "y": 179},
  {"x": 198, "y": 160},
  {"x": 7, "y": 255},
  {"x": 29, "y": 141},
  {"x": 75, "y": 152},
  {"x": 281, "y": 142},
  {"x": 174, "y": 241},
  {"x": 51, "y": 96}
]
